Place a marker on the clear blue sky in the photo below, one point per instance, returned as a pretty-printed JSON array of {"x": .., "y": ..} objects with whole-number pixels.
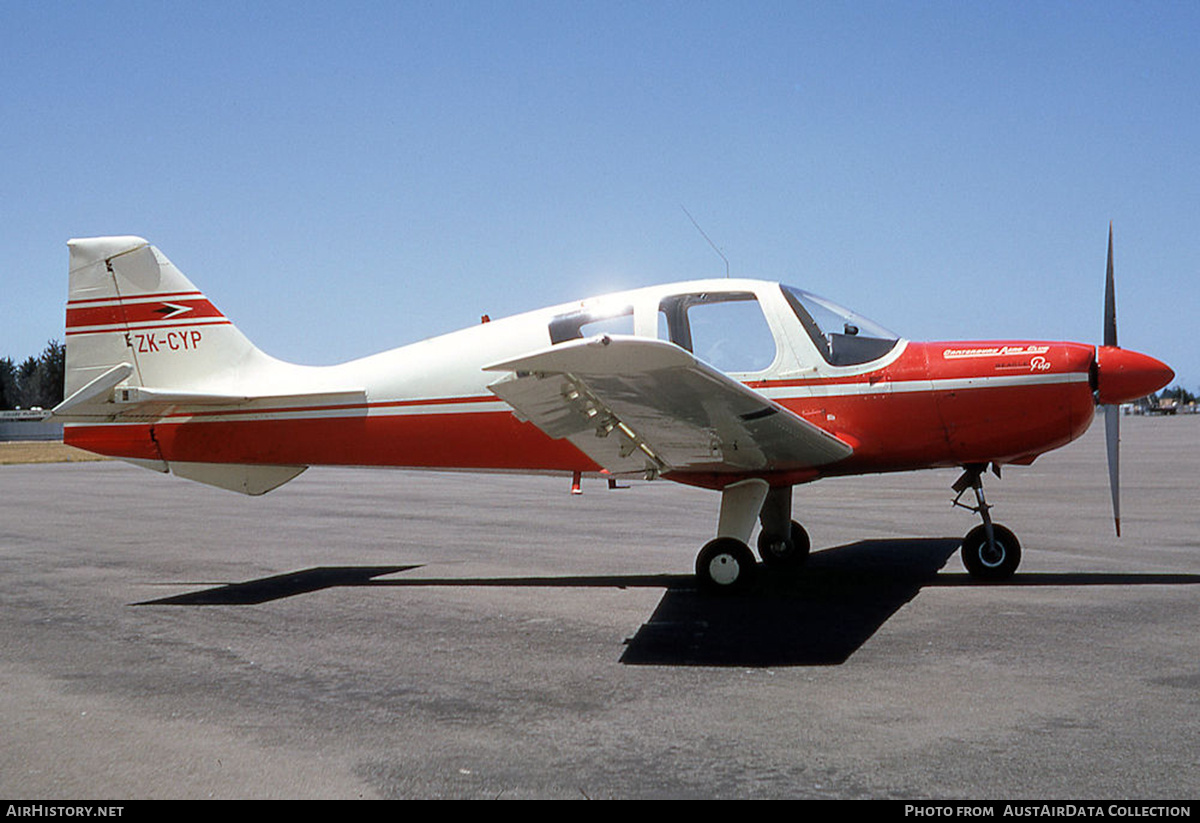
[{"x": 341, "y": 178}]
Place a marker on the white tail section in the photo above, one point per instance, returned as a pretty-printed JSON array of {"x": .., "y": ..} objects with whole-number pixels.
[
  {"x": 128, "y": 304},
  {"x": 144, "y": 345}
]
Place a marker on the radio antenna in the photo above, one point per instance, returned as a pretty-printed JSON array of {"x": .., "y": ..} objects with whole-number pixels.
[{"x": 706, "y": 237}]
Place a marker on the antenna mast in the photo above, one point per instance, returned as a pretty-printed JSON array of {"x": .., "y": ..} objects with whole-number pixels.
[{"x": 706, "y": 237}]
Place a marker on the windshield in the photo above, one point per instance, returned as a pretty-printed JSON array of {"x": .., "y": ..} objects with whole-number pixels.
[{"x": 843, "y": 337}]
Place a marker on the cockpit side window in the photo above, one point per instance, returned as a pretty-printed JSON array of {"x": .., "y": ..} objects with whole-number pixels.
[
  {"x": 727, "y": 330},
  {"x": 842, "y": 337},
  {"x": 590, "y": 322}
]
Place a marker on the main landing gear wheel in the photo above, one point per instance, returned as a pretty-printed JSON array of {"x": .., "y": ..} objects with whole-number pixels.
[
  {"x": 988, "y": 562},
  {"x": 725, "y": 565},
  {"x": 784, "y": 554}
]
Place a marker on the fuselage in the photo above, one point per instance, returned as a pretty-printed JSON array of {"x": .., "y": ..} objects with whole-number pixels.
[{"x": 902, "y": 405}]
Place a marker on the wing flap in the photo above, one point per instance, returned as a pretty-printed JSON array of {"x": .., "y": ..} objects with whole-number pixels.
[{"x": 635, "y": 405}]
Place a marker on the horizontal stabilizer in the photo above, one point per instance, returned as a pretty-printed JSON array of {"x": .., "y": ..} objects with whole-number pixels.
[
  {"x": 96, "y": 390},
  {"x": 102, "y": 400}
]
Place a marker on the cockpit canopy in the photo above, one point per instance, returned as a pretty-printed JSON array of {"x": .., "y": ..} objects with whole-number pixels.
[
  {"x": 740, "y": 328},
  {"x": 843, "y": 337}
]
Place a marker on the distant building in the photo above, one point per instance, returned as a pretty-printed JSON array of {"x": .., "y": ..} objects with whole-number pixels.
[{"x": 28, "y": 424}]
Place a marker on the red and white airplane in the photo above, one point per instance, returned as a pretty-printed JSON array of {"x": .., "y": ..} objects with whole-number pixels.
[{"x": 742, "y": 386}]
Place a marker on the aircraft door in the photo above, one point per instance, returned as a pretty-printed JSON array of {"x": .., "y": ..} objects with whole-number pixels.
[{"x": 727, "y": 330}]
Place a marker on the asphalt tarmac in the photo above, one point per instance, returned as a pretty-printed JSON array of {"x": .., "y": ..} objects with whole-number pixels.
[{"x": 402, "y": 634}]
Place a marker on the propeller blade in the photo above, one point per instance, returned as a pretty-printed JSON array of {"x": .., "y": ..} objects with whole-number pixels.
[
  {"x": 1110, "y": 298},
  {"x": 1112, "y": 436},
  {"x": 1112, "y": 414}
]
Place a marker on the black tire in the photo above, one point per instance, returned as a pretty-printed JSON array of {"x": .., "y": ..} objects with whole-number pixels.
[
  {"x": 725, "y": 565},
  {"x": 984, "y": 563},
  {"x": 785, "y": 554}
]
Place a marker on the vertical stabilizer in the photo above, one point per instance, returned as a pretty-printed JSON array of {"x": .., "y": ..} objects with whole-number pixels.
[
  {"x": 143, "y": 343},
  {"x": 128, "y": 304}
]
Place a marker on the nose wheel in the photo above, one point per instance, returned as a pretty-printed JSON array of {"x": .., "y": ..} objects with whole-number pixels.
[
  {"x": 989, "y": 551},
  {"x": 995, "y": 559}
]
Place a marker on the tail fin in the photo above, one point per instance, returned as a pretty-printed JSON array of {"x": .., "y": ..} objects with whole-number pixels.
[
  {"x": 134, "y": 319},
  {"x": 142, "y": 341}
]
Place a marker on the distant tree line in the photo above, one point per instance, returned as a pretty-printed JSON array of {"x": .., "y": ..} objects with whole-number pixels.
[
  {"x": 36, "y": 382},
  {"x": 1178, "y": 393}
]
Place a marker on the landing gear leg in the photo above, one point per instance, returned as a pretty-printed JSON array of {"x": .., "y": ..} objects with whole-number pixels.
[
  {"x": 726, "y": 564},
  {"x": 783, "y": 543},
  {"x": 989, "y": 551}
]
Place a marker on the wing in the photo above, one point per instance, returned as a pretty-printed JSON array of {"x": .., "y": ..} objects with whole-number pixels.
[{"x": 638, "y": 405}]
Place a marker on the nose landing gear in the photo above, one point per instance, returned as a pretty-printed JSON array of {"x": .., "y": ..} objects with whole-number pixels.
[{"x": 989, "y": 551}]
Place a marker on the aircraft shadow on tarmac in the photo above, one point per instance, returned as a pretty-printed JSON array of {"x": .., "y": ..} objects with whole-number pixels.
[{"x": 818, "y": 615}]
